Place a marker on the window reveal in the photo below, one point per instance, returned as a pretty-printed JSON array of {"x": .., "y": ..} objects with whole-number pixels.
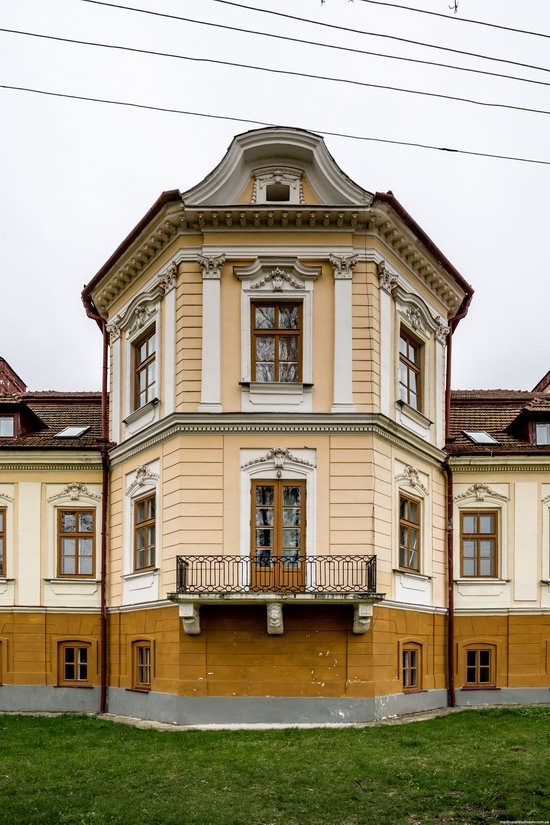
[
  {"x": 277, "y": 342},
  {"x": 144, "y": 533},
  {"x": 410, "y": 371},
  {"x": 409, "y": 533},
  {"x": 76, "y": 543},
  {"x": 478, "y": 541},
  {"x": 145, "y": 370}
]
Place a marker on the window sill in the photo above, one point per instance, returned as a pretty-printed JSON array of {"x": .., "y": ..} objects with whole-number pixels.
[
  {"x": 413, "y": 413},
  {"x": 408, "y": 691},
  {"x": 138, "y": 690},
  {"x": 141, "y": 412},
  {"x": 480, "y": 580},
  {"x": 72, "y": 580},
  {"x": 479, "y": 687},
  {"x": 78, "y": 687},
  {"x": 279, "y": 386},
  {"x": 5, "y": 580},
  {"x": 147, "y": 571},
  {"x": 412, "y": 574}
]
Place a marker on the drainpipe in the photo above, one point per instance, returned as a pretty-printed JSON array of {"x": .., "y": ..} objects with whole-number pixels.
[
  {"x": 92, "y": 313},
  {"x": 463, "y": 309}
]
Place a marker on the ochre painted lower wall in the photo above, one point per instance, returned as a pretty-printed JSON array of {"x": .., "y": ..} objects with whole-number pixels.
[
  {"x": 520, "y": 645},
  {"x": 29, "y": 644},
  {"x": 318, "y": 654}
]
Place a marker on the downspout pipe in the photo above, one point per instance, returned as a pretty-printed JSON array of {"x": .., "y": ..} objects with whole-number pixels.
[
  {"x": 92, "y": 313},
  {"x": 463, "y": 309}
]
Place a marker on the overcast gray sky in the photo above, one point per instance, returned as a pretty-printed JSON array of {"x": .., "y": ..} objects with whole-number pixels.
[{"x": 76, "y": 176}]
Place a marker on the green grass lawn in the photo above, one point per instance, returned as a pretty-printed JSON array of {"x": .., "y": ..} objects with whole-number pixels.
[{"x": 473, "y": 767}]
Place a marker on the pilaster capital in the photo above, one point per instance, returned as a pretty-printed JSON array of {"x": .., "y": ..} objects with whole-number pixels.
[
  {"x": 387, "y": 279},
  {"x": 168, "y": 278},
  {"x": 343, "y": 266},
  {"x": 211, "y": 266}
]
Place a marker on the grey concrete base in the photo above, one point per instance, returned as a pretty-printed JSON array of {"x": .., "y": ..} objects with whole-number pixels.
[
  {"x": 220, "y": 710},
  {"x": 503, "y": 696},
  {"x": 49, "y": 698}
]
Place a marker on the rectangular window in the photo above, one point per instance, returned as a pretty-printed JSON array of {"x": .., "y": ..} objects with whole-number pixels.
[
  {"x": 543, "y": 433},
  {"x": 142, "y": 665},
  {"x": 478, "y": 541},
  {"x": 411, "y": 667},
  {"x": 76, "y": 543},
  {"x": 479, "y": 667},
  {"x": 74, "y": 664},
  {"x": 7, "y": 428},
  {"x": 2, "y": 541},
  {"x": 144, "y": 533},
  {"x": 145, "y": 369},
  {"x": 277, "y": 342},
  {"x": 410, "y": 371},
  {"x": 278, "y": 534},
  {"x": 409, "y": 533}
]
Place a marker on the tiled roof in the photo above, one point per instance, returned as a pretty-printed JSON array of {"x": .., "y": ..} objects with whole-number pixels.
[
  {"x": 57, "y": 410},
  {"x": 494, "y": 411}
]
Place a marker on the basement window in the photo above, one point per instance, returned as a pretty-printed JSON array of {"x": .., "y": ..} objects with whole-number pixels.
[
  {"x": 480, "y": 437},
  {"x": 72, "y": 432}
]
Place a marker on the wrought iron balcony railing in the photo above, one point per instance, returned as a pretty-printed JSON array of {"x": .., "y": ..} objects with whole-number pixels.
[{"x": 319, "y": 575}]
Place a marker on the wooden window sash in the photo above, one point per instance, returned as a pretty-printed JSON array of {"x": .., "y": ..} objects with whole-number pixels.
[
  {"x": 478, "y": 537},
  {"x": 410, "y": 525},
  {"x": 411, "y": 367},
  {"x": 143, "y": 525},
  {"x": 3, "y": 535},
  {"x": 79, "y": 661},
  {"x": 411, "y": 661},
  {"x": 76, "y": 535},
  {"x": 278, "y": 485},
  {"x": 277, "y": 333},
  {"x": 478, "y": 666},
  {"x": 143, "y": 665},
  {"x": 142, "y": 366}
]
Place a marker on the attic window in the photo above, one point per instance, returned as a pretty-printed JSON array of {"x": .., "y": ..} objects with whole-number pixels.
[
  {"x": 72, "y": 432},
  {"x": 543, "y": 434},
  {"x": 277, "y": 192},
  {"x": 480, "y": 437},
  {"x": 6, "y": 426}
]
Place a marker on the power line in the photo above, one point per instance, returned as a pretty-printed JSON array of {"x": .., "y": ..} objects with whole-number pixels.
[
  {"x": 457, "y": 19},
  {"x": 287, "y": 72},
  {"x": 254, "y": 122},
  {"x": 301, "y": 41},
  {"x": 373, "y": 34}
]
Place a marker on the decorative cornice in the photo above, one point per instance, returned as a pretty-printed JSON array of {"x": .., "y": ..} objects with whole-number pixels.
[
  {"x": 387, "y": 278},
  {"x": 279, "y": 457},
  {"x": 343, "y": 266},
  {"x": 141, "y": 309},
  {"x": 144, "y": 477},
  {"x": 372, "y": 424},
  {"x": 479, "y": 492},
  {"x": 411, "y": 477},
  {"x": 416, "y": 311},
  {"x": 5, "y": 497},
  {"x": 277, "y": 277},
  {"x": 546, "y": 500},
  {"x": 499, "y": 464},
  {"x": 75, "y": 491},
  {"x": 276, "y": 269},
  {"x": 211, "y": 266}
]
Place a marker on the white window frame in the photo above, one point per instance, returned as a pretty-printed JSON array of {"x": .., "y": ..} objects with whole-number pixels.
[
  {"x": 72, "y": 496},
  {"x": 277, "y": 279},
  {"x": 413, "y": 586},
  {"x": 7, "y": 497},
  {"x": 141, "y": 585},
  {"x": 299, "y": 464},
  {"x": 471, "y": 500}
]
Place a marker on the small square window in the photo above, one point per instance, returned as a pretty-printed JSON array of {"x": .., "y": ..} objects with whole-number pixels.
[
  {"x": 480, "y": 437},
  {"x": 74, "y": 664},
  {"x": 543, "y": 433},
  {"x": 277, "y": 192},
  {"x": 7, "y": 427},
  {"x": 479, "y": 667}
]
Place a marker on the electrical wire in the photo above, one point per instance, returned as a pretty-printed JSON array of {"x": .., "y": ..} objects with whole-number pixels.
[
  {"x": 287, "y": 72},
  {"x": 372, "y": 34},
  {"x": 302, "y": 41},
  {"x": 262, "y": 123},
  {"x": 457, "y": 19}
]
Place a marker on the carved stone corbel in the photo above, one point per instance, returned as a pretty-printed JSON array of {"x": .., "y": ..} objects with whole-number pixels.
[
  {"x": 275, "y": 625},
  {"x": 362, "y": 615},
  {"x": 343, "y": 266},
  {"x": 190, "y": 619},
  {"x": 386, "y": 278}
]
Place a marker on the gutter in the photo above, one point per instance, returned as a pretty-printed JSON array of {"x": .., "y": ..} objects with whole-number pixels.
[
  {"x": 462, "y": 311},
  {"x": 92, "y": 313}
]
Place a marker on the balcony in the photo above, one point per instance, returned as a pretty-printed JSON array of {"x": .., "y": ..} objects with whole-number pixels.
[{"x": 274, "y": 581}]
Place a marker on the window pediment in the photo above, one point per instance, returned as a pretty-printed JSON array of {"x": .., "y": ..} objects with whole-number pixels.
[{"x": 274, "y": 274}]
